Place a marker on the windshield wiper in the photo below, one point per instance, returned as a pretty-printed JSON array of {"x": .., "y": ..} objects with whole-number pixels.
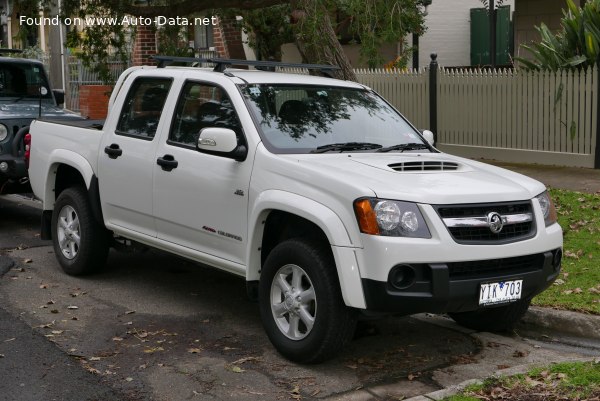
[
  {"x": 342, "y": 147},
  {"x": 405, "y": 146}
]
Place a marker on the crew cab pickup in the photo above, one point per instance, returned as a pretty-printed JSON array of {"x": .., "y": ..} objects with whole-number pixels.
[
  {"x": 321, "y": 195},
  {"x": 24, "y": 95}
]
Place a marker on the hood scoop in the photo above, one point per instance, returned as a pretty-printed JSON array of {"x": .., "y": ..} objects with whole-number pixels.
[{"x": 425, "y": 165}]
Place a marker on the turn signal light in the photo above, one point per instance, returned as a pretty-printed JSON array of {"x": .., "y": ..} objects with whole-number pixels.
[{"x": 367, "y": 220}]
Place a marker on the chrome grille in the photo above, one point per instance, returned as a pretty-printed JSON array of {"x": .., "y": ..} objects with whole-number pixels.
[
  {"x": 424, "y": 166},
  {"x": 470, "y": 224}
]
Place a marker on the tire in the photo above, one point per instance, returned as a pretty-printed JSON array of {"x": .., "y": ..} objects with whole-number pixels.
[
  {"x": 500, "y": 318},
  {"x": 80, "y": 242},
  {"x": 301, "y": 263}
]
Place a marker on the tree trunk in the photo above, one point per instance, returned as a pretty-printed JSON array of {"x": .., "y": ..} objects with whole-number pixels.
[{"x": 316, "y": 39}]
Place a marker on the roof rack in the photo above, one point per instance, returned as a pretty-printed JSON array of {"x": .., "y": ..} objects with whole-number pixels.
[{"x": 222, "y": 63}]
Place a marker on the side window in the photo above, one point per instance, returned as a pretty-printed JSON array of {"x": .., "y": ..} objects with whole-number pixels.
[
  {"x": 143, "y": 106},
  {"x": 202, "y": 106}
]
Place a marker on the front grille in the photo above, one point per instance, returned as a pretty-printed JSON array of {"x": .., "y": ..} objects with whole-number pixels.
[
  {"x": 474, "y": 232},
  {"x": 495, "y": 267},
  {"x": 424, "y": 166}
]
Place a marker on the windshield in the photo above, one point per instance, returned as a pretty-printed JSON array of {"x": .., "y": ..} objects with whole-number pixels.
[
  {"x": 303, "y": 119},
  {"x": 23, "y": 81}
]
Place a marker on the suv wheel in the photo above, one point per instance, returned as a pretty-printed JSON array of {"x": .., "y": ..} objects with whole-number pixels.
[
  {"x": 80, "y": 242},
  {"x": 301, "y": 305}
]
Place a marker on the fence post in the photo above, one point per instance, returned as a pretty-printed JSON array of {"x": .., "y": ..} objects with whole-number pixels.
[
  {"x": 433, "y": 78},
  {"x": 597, "y": 156}
]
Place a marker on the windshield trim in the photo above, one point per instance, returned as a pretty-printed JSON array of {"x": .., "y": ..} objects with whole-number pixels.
[{"x": 273, "y": 149}]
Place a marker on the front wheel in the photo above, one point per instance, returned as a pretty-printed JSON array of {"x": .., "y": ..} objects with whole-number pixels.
[
  {"x": 301, "y": 305},
  {"x": 499, "y": 318},
  {"x": 80, "y": 242}
]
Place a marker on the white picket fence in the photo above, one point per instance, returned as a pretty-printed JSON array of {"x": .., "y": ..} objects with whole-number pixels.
[{"x": 509, "y": 115}]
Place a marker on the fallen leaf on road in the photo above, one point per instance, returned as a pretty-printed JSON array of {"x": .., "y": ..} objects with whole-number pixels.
[
  {"x": 94, "y": 358},
  {"x": 10, "y": 339},
  {"x": 247, "y": 359},
  {"x": 559, "y": 281},
  {"x": 72, "y": 307},
  {"x": 577, "y": 290},
  {"x": 236, "y": 369},
  {"x": 129, "y": 312},
  {"x": 520, "y": 354},
  {"x": 194, "y": 350},
  {"x": 57, "y": 331},
  {"x": 27, "y": 261},
  {"x": 1, "y": 355},
  {"x": 43, "y": 286},
  {"x": 129, "y": 379},
  {"x": 54, "y": 311},
  {"x": 153, "y": 350},
  {"x": 117, "y": 339}
]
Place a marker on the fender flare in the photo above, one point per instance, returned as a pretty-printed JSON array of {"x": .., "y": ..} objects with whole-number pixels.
[
  {"x": 326, "y": 219},
  {"x": 68, "y": 158}
]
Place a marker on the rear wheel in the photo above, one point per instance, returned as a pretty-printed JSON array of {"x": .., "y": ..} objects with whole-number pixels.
[
  {"x": 80, "y": 242},
  {"x": 500, "y": 318},
  {"x": 301, "y": 304}
]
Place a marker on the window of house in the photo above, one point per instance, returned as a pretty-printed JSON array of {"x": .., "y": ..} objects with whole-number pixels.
[{"x": 143, "y": 107}]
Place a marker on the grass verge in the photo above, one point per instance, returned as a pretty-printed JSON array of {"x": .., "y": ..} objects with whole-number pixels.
[
  {"x": 574, "y": 381},
  {"x": 578, "y": 286}
]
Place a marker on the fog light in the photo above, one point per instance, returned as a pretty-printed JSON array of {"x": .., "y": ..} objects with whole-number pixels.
[
  {"x": 4, "y": 167},
  {"x": 402, "y": 277},
  {"x": 557, "y": 260}
]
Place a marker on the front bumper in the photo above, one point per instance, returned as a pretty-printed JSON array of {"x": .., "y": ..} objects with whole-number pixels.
[
  {"x": 454, "y": 287},
  {"x": 16, "y": 168}
]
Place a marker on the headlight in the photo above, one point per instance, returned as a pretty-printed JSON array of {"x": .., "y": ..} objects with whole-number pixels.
[
  {"x": 3, "y": 132},
  {"x": 390, "y": 218},
  {"x": 548, "y": 209}
]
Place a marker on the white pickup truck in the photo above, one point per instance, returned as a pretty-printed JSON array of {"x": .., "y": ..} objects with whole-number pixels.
[{"x": 320, "y": 194}]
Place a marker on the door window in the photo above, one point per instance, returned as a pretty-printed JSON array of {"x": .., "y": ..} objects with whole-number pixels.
[
  {"x": 143, "y": 107},
  {"x": 202, "y": 106}
]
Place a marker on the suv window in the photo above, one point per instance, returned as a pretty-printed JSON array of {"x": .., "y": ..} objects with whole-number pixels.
[
  {"x": 23, "y": 80},
  {"x": 202, "y": 106},
  {"x": 143, "y": 107}
]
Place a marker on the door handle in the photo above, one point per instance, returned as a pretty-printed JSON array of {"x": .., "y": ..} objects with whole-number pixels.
[
  {"x": 113, "y": 151},
  {"x": 167, "y": 162}
]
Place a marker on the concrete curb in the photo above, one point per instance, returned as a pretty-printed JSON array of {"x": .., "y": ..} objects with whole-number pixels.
[
  {"x": 562, "y": 322},
  {"x": 6, "y": 264}
]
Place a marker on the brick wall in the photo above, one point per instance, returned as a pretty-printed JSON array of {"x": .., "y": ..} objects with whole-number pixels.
[
  {"x": 227, "y": 38},
  {"x": 144, "y": 46},
  {"x": 93, "y": 100}
]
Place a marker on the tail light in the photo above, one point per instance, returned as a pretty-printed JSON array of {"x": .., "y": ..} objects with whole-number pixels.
[{"x": 27, "y": 142}]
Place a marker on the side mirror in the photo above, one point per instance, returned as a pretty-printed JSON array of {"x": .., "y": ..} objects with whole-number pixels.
[
  {"x": 428, "y": 135},
  {"x": 221, "y": 141},
  {"x": 59, "y": 96}
]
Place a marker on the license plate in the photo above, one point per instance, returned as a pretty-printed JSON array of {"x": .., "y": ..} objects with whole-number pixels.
[{"x": 500, "y": 292}]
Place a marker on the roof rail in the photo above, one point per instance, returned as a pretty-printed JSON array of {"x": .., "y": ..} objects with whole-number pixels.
[{"x": 222, "y": 63}]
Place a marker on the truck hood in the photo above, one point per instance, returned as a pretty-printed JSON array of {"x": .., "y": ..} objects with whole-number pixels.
[
  {"x": 27, "y": 109},
  {"x": 436, "y": 178}
]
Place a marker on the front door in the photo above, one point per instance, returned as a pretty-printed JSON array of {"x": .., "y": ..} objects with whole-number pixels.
[{"x": 202, "y": 202}]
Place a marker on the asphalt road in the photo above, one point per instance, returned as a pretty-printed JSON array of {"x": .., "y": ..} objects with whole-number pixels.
[{"x": 155, "y": 327}]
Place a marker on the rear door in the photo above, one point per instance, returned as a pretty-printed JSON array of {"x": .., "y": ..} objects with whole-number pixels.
[{"x": 127, "y": 157}]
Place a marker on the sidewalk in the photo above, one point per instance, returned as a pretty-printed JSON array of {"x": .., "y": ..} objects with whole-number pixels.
[{"x": 570, "y": 178}]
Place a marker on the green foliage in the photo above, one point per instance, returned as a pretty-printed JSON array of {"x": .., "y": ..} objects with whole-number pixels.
[
  {"x": 267, "y": 29},
  {"x": 96, "y": 44},
  {"x": 172, "y": 41},
  {"x": 576, "y": 45},
  {"x": 377, "y": 22}
]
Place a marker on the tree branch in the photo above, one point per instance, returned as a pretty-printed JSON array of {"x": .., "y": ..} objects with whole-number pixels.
[{"x": 186, "y": 7}]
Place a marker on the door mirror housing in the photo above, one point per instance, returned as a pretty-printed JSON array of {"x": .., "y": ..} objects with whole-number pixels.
[
  {"x": 428, "y": 135},
  {"x": 222, "y": 142}
]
